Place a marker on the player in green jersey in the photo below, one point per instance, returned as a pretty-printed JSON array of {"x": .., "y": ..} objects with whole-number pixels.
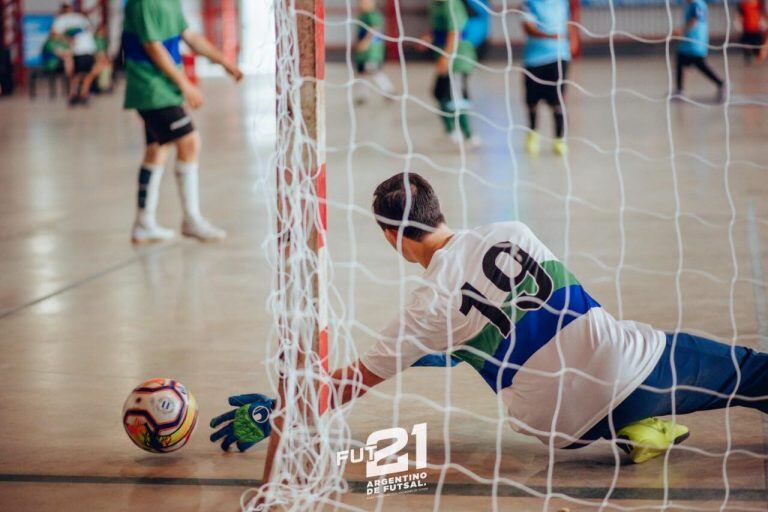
[
  {"x": 455, "y": 63},
  {"x": 369, "y": 49},
  {"x": 157, "y": 88}
]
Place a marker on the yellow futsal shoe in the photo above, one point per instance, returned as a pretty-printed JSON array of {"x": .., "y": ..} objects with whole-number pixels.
[
  {"x": 649, "y": 438},
  {"x": 532, "y": 144},
  {"x": 560, "y": 147}
]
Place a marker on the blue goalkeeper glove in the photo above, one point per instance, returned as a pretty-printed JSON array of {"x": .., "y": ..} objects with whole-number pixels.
[{"x": 247, "y": 424}]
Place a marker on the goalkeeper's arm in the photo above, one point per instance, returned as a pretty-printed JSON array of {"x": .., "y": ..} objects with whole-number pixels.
[
  {"x": 354, "y": 380},
  {"x": 351, "y": 382}
]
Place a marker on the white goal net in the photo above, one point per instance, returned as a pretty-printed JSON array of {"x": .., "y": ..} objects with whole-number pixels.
[{"x": 653, "y": 201}]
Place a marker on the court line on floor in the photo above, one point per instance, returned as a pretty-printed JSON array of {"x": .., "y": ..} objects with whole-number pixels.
[
  {"x": 761, "y": 308},
  {"x": 449, "y": 489},
  {"x": 85, "y": 280}
]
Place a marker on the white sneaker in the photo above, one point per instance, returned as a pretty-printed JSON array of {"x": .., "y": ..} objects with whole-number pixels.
[
  {"x": 202, "y": 230},
  {"x": 148, "y": 234},
  {"x": 456, "y": 137}
]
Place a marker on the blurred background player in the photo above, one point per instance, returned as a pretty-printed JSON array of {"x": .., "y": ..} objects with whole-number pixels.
[
  {"x": 157, "y": 88},
  {"x": 55, "y": 55},
  {"x": 693, "y": 49},
  {"x": 447, "y": 19},
  {"x": 546, "y": 55},
  {"x": 76, "y": 28},
  {"x": 369, "y": 50},
  {"x": 478, "y": 26},
  {"x": 751, "y": 21}
]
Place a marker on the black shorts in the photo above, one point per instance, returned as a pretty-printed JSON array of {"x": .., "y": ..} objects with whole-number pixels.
[
  {"x": 536, "y": 91},
  {"x": 752, "y": 38},
  {"x": 164, "y": 125},
  {"x": 83, "y": 63},
  {"x": 752, "y": 42},
  {"x": 683, "y": 61},
  {"x": 442, "y": 90}
]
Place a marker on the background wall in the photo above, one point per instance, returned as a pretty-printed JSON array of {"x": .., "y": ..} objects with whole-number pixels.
[{"x": 644, "y": 19}]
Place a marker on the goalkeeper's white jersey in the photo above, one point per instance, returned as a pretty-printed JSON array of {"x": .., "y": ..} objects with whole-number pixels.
[{"x": 497, "y": 298}]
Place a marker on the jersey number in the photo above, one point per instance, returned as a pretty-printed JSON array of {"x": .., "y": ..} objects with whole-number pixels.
[{"x": 471, "y": 297}]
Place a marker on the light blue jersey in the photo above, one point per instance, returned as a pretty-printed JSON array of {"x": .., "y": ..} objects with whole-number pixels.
[
  {"x": 479, "y": 22},
  {"x": 550, "y": 17},
  {"x": 697, "y": 38}
]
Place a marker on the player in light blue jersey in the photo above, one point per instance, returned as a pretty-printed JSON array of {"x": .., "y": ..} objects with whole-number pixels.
[
  {"x": 545, "y": 56},
  {"x": 694, "y": 47}
]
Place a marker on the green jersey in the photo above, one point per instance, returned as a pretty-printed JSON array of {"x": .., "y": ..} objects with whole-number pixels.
[
  {"x": 102, "y": 44},
  {"x": 446, "y": 16},
  {"x": 147, "y": 87},
  {"x": 374, "y": 54},
  {"x": 49, "y": 61}
]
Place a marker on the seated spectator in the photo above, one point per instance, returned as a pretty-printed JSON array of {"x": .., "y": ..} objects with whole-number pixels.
[{"x": 77, "y": 29}]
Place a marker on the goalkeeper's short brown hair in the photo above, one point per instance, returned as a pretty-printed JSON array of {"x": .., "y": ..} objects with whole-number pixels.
[{"x": 391, "y": 197}]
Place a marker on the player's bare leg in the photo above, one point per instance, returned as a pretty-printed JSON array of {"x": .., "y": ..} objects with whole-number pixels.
[
  {"x": 74, "y": 88},
  {"x": 194, "y": 224},
  {"x": 85, "y": 87},
  {"x": 67, "y": 62}
]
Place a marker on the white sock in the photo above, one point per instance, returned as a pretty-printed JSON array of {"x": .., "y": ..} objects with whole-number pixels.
[
  {"x": 186, "y": 180},
  {"x": 149, "y": 193}
]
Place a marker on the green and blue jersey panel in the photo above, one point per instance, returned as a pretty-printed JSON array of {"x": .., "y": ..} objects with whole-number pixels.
[{"x": 498, "y": 356}]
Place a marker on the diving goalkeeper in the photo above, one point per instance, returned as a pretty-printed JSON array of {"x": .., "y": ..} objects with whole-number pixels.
[{"x": 496, "y": 298}]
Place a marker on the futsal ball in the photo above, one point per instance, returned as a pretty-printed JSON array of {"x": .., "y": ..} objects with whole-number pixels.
[{"x": 160, "y": 415}]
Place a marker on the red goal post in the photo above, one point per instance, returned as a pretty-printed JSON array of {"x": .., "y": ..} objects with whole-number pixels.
[{"x": 301, "y": 131}]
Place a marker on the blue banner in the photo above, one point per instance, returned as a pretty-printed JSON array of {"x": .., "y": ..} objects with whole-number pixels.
[{"x": 35, "y": 28}]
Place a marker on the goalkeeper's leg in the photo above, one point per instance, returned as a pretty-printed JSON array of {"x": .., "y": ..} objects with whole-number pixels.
[{"x": 706, "y": 374}]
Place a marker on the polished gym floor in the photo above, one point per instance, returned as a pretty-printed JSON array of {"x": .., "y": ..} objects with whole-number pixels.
[{"x": 659, "y": 209}]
